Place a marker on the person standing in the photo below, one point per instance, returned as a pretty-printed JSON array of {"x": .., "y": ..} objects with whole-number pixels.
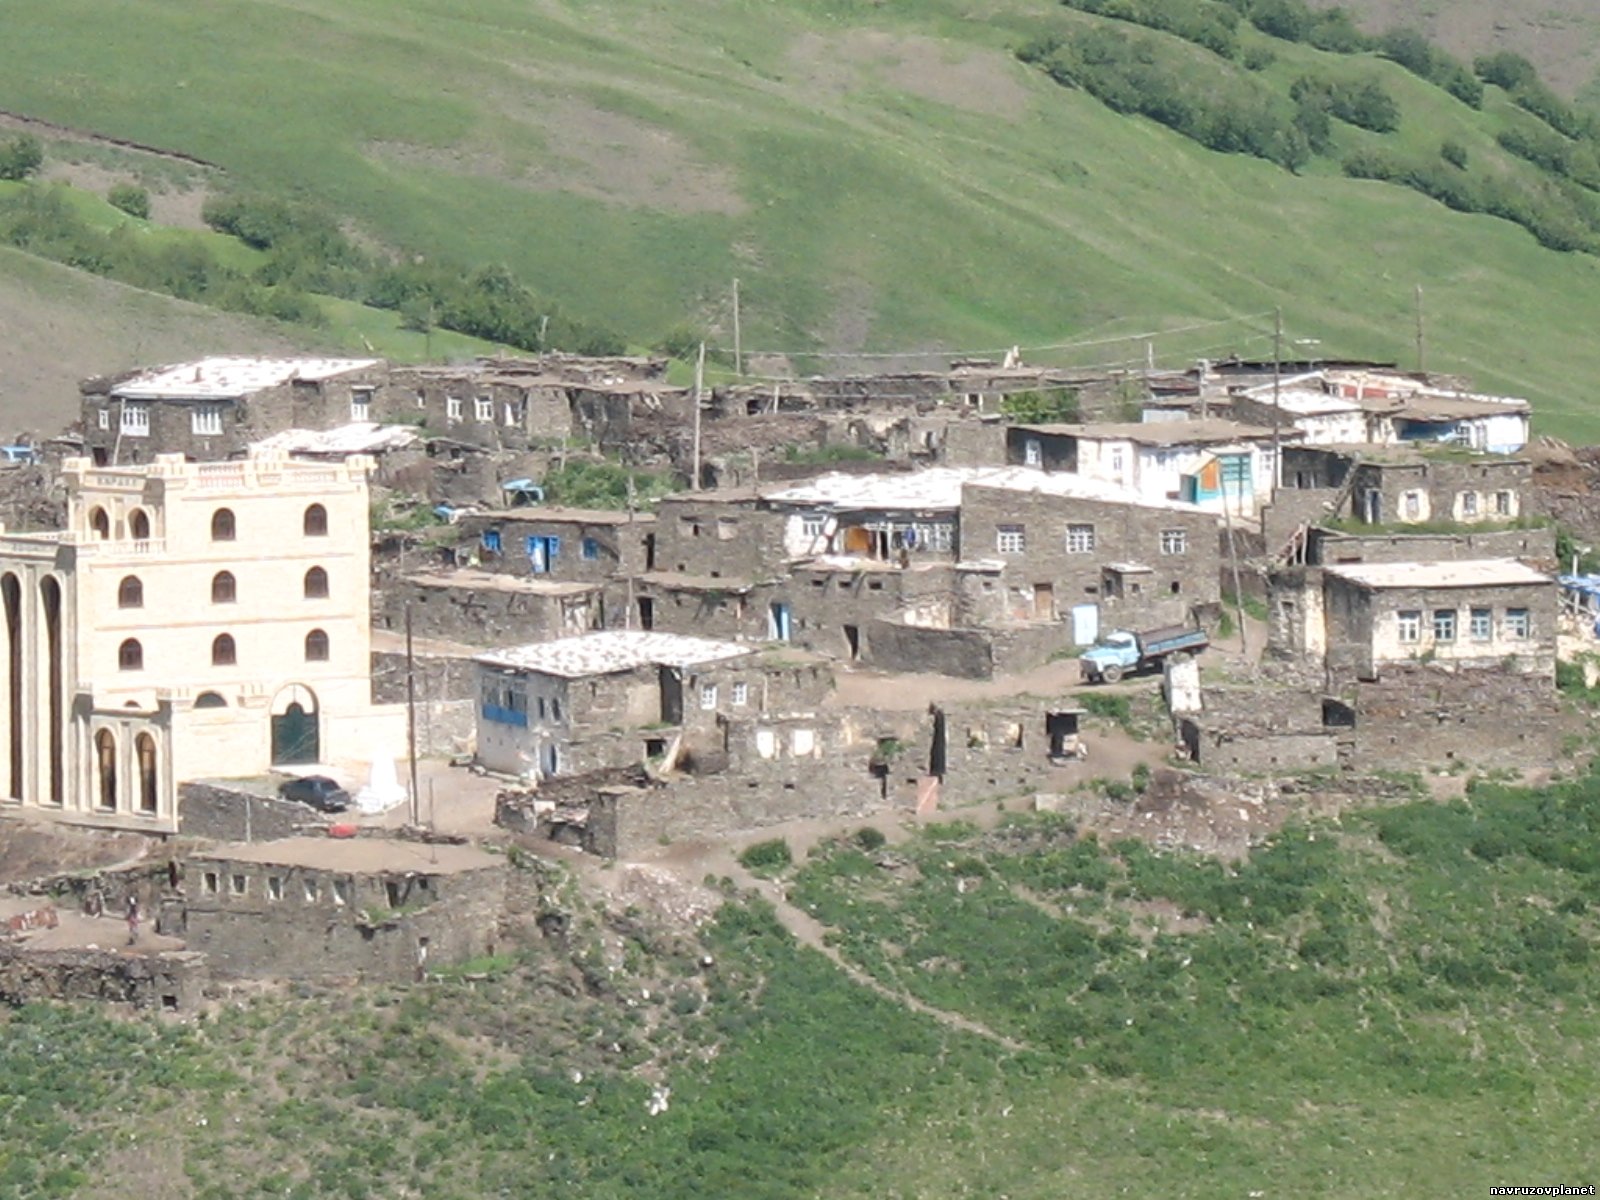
[{"x": 133, "y": 920}]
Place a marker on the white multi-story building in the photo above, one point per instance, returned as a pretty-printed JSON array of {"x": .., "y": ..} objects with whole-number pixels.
[{"x": 193, "y": 620}]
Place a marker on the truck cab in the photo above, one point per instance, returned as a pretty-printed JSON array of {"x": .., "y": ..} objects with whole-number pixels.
[{"x": 1110, "y": 658}]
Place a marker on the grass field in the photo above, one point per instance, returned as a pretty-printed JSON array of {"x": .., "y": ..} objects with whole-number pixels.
[
  {"x": 882, "y": 176},
  {"x": 1399, "y": 1003}
]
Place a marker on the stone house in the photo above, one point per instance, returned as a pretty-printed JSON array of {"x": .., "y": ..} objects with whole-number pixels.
[
  {"x": 377, "y": 909},
  {"x": 1093, "y": 559},
  {"x": 478, "y": 607},
  {"x": 1410, "y": 485},
  {"x": 203, "y": 620},
  {"x": 616, "y": 698},
  {"x": 1211, "y": 463},
  {"x": 488, "y": 403},
  {"x": 1464, "y": 614},
  {"x": 1333, "y": 407},
  {"x": 568, "y": 545},
  {"x": 214, "y": 408}
]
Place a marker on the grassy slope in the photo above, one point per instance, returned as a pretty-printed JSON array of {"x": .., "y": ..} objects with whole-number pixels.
[
  {"x": 898, "y": 180},
  {"x": 1401, "y": 1003}
]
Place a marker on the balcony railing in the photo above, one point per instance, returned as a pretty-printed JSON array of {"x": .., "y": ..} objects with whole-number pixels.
[{"x": 504, "y": 716}]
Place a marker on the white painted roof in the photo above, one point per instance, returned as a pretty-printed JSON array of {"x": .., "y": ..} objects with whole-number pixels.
[
  {"x": 611, "y": 651},
  {"x": 1472, "y": 572},
  {"x": 940, "y": 488},
  {"x": 226, "y": 378},
  {"x": 1304, "y": 402},
  {"x": 361, "y": 437}
]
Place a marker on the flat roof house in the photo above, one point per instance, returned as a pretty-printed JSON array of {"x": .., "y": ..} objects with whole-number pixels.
[{"x": 1463, "y": 614}]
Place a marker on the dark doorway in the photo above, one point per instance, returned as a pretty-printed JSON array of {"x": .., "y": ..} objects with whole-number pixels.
[
  {"x": 295, "y": 737},
  {"x": 647, "y": 613},
  {"x": 936, "y": 746},
  {"x": 852, "y": 639},
  {"x": 11, "y": 589},
  {"x": 1062, "y": 730},
  {"x": 50, "y": 598},
  {"x": 671, "y": 686}
]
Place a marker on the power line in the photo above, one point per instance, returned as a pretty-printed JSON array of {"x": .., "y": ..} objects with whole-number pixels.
[{"x": 1001, "y": 350}]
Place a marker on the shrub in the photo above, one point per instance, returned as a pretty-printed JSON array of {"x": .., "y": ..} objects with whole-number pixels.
[
  {"x": 21, "y": 157},
  {"x": 1367, "y": 104},
  {"x": 1258, "y": 58},
  {"x": 869, "y": 839},
  {"x": 1059, "y": 404},
  {"x": 131, "y": 199},
  {"x": 771, "y": 855},
  {"x": 1453, "y": 153}
]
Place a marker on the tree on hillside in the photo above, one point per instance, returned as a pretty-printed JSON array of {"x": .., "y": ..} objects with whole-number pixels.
[{"x": 20, "y": 157}]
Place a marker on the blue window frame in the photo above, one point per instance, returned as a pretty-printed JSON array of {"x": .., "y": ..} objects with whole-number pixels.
[
  {"x": 591, "y": 549},
  {"x": 543, "y": 552},
  {"x": 491, "y": 540}
]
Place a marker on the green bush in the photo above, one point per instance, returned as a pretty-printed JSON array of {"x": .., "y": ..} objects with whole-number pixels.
[
  {"x": 1366, "y": 104},
  {"x": 580, "y": 483},
  {"x": 868, "y": 838},
  {"x": 1422, "y": 58},
  {"x": 21, "y": 157},
  {"x": 1454, "y": 153},
  {"x": 771, "y": 855},
  {"x": 1058, "y": 404},
  {"x": 131, "y": 199}
]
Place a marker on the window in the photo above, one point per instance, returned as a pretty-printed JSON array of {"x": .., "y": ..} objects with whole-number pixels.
[
  {"x": 483, "y": 409},
  {"x": 1117, "y": 461},
  {"x": 727, "y": 529},
  {"x": 422, "y": 398},
  {"x": 938, "y": 538},
  {"x": 1469, "y": 504},
  {"x": 591, "y": 549},
  {"x": 813, "y": 526},
  {"x": 223, "y": 528},
  {"x": 274, "y": 887},
  {"x": 316, "y": 584},
  {"x": 361, "y": 404},
  {"x": 708, "y": 696},
  {"x": 341, "y": 891},
  {"x": 135, "y": 420},
  {"x": 1174, "y": 541},
  {"x": 210, "y": 700},
  {"x": 452, "y": 408},
  {"x": 1080, "y": 539},
  {"x": 130, "y": 656},
  {"x": 315, "y": 522},
  {"x": 210, "y": 883},
  {"x": 1032, "y": 452},
  {"x": 224, "y": 590},
  {"x": 311, "y": 890},
  {"x": 490, "y": 540},
  {"x": 223, "y": 651},
  {"x": 555, "y": 709},
  {"x": 139, "y": 525},
  {"x": 1518, "y": 626},
  {"x": 1480, "y": 625},
  {"x": 1502, "y": 504},
  {"x": 1411, "y": 505},
  {"x": 510, "y": 413},
  {"x": 100, "y": 524},
  {"x": 238, "y": 884},
  {"x": 1444, "y": 624},
  {"x": 1410, "y": 622},
  {"x": 104, "y": 416},
  {"x": 206, "y": 422},
  {"x": 741, "y": 694},
  {"x": 130, "y": 593},
  {"x": 316, "y": 646},
  {"x": 1010, "y": 539}
]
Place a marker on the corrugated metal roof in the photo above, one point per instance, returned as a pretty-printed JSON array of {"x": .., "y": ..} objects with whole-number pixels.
[
  {"x": 612, "y": 651},
  {"x": 1471, "y": 572}
]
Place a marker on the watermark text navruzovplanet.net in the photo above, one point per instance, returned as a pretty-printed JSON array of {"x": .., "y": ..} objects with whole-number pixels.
[{"x": 1542, "y": 1191}]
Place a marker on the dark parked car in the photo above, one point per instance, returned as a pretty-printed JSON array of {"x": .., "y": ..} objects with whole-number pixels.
[{"x": 320, "y": 792}]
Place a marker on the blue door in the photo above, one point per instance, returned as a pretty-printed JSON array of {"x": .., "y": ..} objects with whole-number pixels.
[
  {"x": 778, "y": 623},
  {"x": 542, "y": 552}
]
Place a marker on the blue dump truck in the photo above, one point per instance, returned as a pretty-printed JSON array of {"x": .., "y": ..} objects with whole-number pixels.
[{"x": 1123, "y": 653}]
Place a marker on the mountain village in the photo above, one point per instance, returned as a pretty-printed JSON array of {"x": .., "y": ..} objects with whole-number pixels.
[{"x": 897, "y": 594}]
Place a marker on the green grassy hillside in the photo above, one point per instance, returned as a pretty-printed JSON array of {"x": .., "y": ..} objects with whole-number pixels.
[
  {"x": 1399, "y": 1003},
  {"x": 882, "y": 176}
]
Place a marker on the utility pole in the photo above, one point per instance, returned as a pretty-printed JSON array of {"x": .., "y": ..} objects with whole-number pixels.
[
  {"x": 699, "y": 383},
  {"x": 411, "y": 719},
  {"x": 627, "y": 612},
  {"x": 738, "y": 343},
  {"x": 1422, "y": 341},
  {"x": 1149, "y": 366},
  {"x": 1277, "y": 409}
]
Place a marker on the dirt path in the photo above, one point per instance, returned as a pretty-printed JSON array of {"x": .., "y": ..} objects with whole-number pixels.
[{"x": 809, "y": 931}]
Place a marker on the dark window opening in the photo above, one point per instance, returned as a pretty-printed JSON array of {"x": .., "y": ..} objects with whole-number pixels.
[
  {"x": 130, "y": 593},
  {"x": 224, "y": 588},
  {"x": 316, "y": 584},
  {"x": 223, "y": 528},
  {"x": 316, "y": 521},
  {"x": 224, "y": 653},
  {"x": 316, "y": 646},
  {"x": 130, "y": 656}
]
